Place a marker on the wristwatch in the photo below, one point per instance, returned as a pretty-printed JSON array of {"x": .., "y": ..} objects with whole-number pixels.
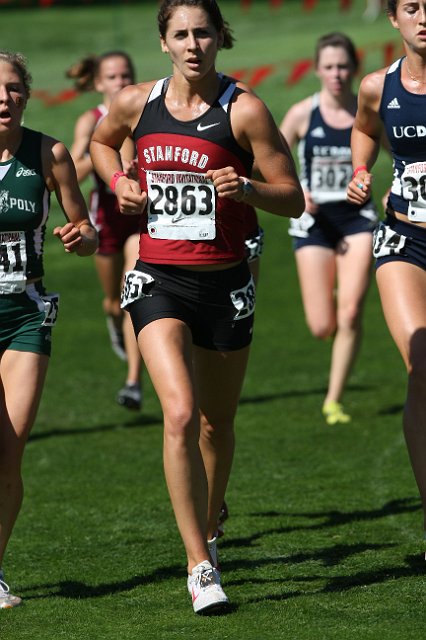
[{"x": 247, "y": 188}]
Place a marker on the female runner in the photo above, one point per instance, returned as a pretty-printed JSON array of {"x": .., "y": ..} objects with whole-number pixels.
[
  {"x": 191, "y": 295},
  {"x": 394, "y": 99},
  {"x": 32, "y": 166},
  {"x": 332, "y": 240}
]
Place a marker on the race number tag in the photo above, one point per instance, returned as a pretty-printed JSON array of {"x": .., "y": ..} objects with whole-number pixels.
[
  {"x": 13, "y": 262},
  {"x": 181, "y": 206},
  {"x": 330, "y": 178},
  {"x": 244, "y": 300},
  {"x": 51, "y": 307},
  {"x": 137, "y": 285},
  {"x": 387, "y": 242},
  {"x": 413, "y": 184},
  {"x": 299, "y": 227},
  {"x": 254, "y": 246}
]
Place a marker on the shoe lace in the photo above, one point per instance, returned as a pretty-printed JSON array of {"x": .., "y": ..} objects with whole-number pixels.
[{"x": 204, "y": 578}]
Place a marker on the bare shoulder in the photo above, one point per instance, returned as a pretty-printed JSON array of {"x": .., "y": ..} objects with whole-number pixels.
[
  {"x": 56, "y": 161},
  {"x": 128, "y": 104},
  {"x": 248, "y": 105},
  {"x": 87, "y": 121},
  {"x": 253, "y": 124},
  {"x": 243, "y": 86},
  {"x": 53, "y": 150},
  {"x": 371, "y": 87},
  {"x": 133, "y": 96},
  {"x": 298, "y": 113}
]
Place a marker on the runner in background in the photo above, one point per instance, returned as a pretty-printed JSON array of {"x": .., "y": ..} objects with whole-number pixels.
[
  {"x": 332, "y": 240},
  {"x": 118, "y": 234}
]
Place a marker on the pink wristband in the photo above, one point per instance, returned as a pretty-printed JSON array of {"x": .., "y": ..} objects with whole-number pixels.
[
  {"x": 362, "y": 167},
  {"x": 116, "y": 176}
]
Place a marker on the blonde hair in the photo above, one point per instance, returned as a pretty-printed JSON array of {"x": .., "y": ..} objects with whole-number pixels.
[{"x": 19, "y": 63}]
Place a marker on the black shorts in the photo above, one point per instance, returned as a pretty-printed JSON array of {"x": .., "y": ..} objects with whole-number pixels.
[
  {"x": 398, "y": 241},
  {"x": 331, "y": 224},
  {"x": 217, "y": 306}
]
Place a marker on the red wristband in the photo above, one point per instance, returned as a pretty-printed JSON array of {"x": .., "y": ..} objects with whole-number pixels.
[
  {"x": 362, "y": 167},
  {"x": 116, "y": 176}
]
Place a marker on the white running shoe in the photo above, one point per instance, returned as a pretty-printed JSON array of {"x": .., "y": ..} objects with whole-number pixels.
[
  {"x": 7, "y": 600},
  {"x": 212, "y": 544},
  {"x": 207, "y": 593}
]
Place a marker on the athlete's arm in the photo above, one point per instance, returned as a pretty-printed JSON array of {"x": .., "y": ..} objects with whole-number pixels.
[
  {"x": 256, "y": 131},
  {"x": 80, "y": 147},
  {"x": 366, "y": 136},
  {"x": 294, "y": 127},
  {"x": 108, "y": 139},
  {"x": 77, "y": 235}
]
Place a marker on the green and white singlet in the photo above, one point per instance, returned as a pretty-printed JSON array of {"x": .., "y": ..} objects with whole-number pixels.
[
  {"x": 27, "y": 312},
  {"x": 24, "y": 207}
]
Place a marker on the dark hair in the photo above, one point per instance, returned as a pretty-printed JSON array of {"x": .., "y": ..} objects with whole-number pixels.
[
  {"x": 85, "y": 72},
  {"x": 391, "y": 8},
  {"x": 337, "y": 39},
  {"x": 210, "y": 7},
  {"x": 19, "y": 63}
]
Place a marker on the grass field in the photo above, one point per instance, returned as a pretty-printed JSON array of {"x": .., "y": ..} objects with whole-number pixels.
[{"x": 324, "y": 538}]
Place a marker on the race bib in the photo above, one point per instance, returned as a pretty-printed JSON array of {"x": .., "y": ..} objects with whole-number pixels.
[
  {"x": 329, "y": 179},
  {"x": 244, "y": 300},
  {"x": 137, "y": 285},
  {"x": 13, "y": 262},
  {"x": 51, "y": 308},
  {"x": 369, "y": 212},
  {"x": 299, "y": 227},
  {"x": 254, "y": 246},
  {"x": 387, "y": 242},
  {"x": 413, "y": 184},
  {"x": 181, "y": 206}
]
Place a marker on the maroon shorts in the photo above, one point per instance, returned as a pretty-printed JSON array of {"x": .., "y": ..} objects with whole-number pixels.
[{"x": 113, "y": 227}]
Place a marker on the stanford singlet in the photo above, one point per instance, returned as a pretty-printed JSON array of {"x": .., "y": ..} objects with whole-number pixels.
[
  {"x": 185, "y": 222},
  {"x": 403, "y": 115}
]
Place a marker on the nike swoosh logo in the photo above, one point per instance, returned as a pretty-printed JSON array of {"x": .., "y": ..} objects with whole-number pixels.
[
  {"x": 200, "y": 127},
  {"x": 178, "y": 217},
  {"x": 195, "y": 595}
]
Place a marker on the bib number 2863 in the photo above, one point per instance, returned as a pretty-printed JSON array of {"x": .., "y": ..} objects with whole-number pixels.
[{"x": 181, "y": 206}]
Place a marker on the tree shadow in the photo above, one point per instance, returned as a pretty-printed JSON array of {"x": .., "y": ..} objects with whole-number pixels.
[
  {"x": 76, "y": 589},
  {"x": 392, "y": 410},
  {"x": 139, "y": 421},
  {"x": 79, "y": 590},
  {"x": 296, "y": 393},
  {"x": 329, "y": 519},
  {"x": 330, "y": 556},
  {"x": 339, "y": 584}
]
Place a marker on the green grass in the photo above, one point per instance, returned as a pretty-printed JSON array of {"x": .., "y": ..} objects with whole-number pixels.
[{"x": 325, "y": 531}]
